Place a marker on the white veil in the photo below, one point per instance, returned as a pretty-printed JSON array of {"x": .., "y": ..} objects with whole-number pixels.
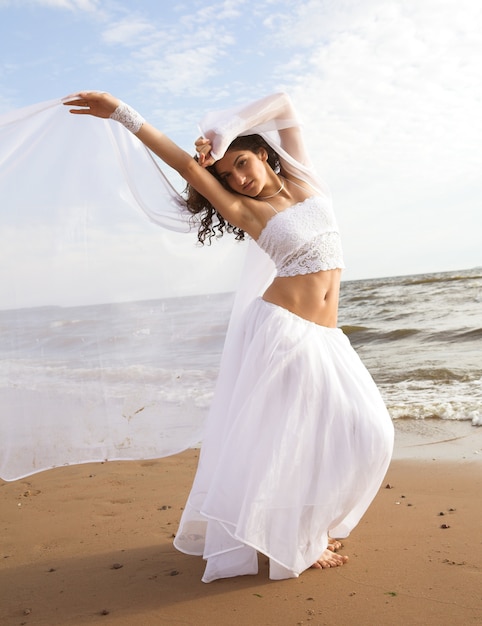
[{"x": 51, "y": 163}]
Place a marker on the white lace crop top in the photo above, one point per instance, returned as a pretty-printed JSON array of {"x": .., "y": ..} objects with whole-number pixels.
[{"x": 303, "y": 239}]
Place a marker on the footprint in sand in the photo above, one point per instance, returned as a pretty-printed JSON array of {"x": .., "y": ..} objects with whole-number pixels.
[{"x": 31, "y": 492}]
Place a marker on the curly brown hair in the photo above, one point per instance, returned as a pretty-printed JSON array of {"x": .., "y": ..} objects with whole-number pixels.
[{"x": 211, "y": 222}]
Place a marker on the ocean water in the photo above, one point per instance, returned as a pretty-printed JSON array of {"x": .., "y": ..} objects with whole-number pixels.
[{"x": 420, "y": 337}]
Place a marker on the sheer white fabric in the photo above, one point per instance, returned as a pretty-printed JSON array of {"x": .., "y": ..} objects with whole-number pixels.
[
  {"x": 56, "y": 163},
  {"x": 64, "y": 170}
]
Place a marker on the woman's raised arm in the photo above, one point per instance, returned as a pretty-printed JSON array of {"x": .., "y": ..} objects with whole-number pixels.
[{"x": 104, "y": 105}]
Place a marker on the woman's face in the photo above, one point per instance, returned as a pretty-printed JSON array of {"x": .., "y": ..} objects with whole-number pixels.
[{"x": 244, "y": 171}]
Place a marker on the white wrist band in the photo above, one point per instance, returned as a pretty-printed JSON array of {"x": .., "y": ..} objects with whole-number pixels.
[{"x": 128, "y": 117}]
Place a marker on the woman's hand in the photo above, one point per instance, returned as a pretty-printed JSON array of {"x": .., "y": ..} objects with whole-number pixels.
[
  {"x": 203, "y": 148},
  {"x": 97, "y": 103}
]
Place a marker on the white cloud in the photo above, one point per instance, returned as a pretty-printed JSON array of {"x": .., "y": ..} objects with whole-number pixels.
[
  {"x": 399, "y": 77},
  {"x": 215, "y": 13},
  {"x": 174, "y": 56},
  {"x": 390, "y": 96},
  {"x": 129, "y": 31},
  {"x": 180, "y": 71},
  {"x": 71, "y": 5}
]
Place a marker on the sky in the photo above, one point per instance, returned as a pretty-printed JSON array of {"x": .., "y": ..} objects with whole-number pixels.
[{"x": 389, "y": 93}]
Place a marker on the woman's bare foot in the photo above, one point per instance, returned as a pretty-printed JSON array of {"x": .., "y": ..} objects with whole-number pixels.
[
  {"x": 334, "y": 545},
  {"x": 329, "y": 559}
]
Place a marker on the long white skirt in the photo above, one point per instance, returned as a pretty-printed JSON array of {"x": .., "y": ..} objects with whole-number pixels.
[{"x": 297, "y": 443}]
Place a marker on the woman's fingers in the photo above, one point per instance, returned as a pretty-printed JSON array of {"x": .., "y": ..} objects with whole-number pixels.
[
  {"x": 207, "y": 161},
  {"x": 202, "y": 145},
  {"x": 203, "y": 148},
  {"x": 98, "y": 103}
]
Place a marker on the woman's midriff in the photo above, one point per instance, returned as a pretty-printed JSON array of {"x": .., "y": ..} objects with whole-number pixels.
[{"x": 313, "y": 297}]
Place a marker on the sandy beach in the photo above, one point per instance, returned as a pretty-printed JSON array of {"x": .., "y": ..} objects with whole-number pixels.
[{"x": 92, "y": 544}]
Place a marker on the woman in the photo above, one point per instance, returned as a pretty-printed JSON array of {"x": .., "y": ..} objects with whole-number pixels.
[{"x": 298, "y": 438}]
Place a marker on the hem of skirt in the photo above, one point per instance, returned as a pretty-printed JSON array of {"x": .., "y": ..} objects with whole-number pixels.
[
  {"x": 245, "y": 542},
  {"x": 184, "y": 551}
]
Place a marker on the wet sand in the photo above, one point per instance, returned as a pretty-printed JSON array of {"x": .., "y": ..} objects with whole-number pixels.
[{"x": 92, "y": 544}]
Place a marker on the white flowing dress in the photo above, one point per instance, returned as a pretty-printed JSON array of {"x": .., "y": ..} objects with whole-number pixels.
[{"x": 298, "y": 438}]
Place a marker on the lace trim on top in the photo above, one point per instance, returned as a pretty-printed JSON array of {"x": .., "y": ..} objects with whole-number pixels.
[{"x": 303, "y": 239}]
